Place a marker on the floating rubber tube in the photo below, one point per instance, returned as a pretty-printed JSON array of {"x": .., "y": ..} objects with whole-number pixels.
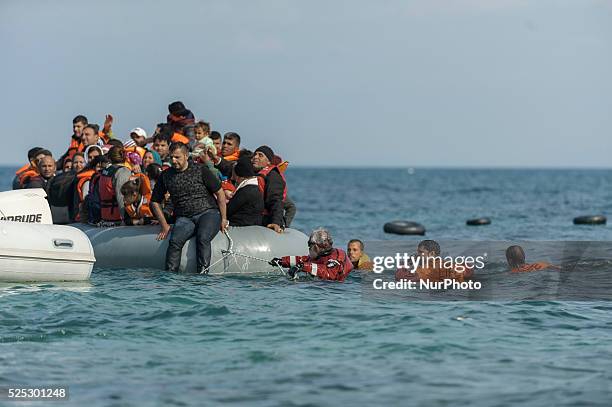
[
  {"x": 478, "y": 222},
  {"x": 590, "y": 220},
  {"x": 403, "y": 227}
]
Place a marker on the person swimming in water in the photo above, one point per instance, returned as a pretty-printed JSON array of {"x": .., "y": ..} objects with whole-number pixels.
[
  {"x": 515, "y": 255},
  {"x": 432, "y": 267}
]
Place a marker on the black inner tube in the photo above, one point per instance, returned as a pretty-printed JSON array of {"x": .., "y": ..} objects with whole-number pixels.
[
  {"x": 478, "y": 222},
  {"x": 590, "y": 220},
  {"x": 401, "y": 227}
]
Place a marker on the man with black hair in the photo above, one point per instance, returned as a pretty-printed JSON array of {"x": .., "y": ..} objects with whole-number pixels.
[
  {"x": 193, "y": 189},
  {"x": 29, "y": 170},
  {"x": 231, "y": 146}
]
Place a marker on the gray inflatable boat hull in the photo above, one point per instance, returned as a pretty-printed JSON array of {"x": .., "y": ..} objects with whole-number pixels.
[{"x": 137, "y": 247}]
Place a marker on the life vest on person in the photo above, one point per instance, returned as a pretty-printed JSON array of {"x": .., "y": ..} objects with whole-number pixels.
[
  {"x": 525, "y": 268},
  {"x": 103, "y": 195},
  {"x": 82, "y": 178},
  {"x": 76, "y": 145},
  {"x": 227, "y": 185},
  {"x": 104, "y": 137},
  {"x": 142, "y": 209},
  {"x": 232, "y": 157},
  {"x": 24, "y": 174},
  {"x": 179, "y": 138},
  {"x": 261, "y": 180},
  {"x": 333, "y": 265}
]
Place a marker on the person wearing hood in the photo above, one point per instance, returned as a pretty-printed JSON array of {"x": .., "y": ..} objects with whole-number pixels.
[
  {"x": 323, "y": 261},
  {"x": 180, "y": 120},
  {"x": 247, "y": 205}
]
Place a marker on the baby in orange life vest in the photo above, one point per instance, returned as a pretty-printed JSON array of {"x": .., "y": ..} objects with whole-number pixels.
[
  {"x": 136, "y": 197},
  {"x": 516, "y": 260},
  {"x": 433, "y": 267}
]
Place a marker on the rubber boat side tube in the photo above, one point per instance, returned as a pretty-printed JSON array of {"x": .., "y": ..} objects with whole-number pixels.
[{"x": 138, "y": 247}]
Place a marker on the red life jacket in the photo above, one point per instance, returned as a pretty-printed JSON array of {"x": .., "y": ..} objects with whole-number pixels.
[
  {"x": 109, "y": 207},
  {"x": 261, "y": 180}
]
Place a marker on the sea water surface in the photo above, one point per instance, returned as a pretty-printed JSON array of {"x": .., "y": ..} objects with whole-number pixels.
[{"x": 137, "y": 337}]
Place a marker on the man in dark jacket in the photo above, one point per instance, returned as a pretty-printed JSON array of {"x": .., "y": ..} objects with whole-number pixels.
[
  {"x": 274, "y": 189},
  {"x": 247, "y": 205}
]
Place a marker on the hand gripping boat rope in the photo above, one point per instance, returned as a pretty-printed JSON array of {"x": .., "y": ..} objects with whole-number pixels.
[{"x": 230, "y": 252}]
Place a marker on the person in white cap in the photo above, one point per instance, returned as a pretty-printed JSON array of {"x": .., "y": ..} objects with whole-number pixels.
[{"x": 139, "y": 136}]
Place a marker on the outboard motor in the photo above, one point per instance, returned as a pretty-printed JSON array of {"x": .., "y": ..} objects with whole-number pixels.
[{"x": 25, "y": 205}]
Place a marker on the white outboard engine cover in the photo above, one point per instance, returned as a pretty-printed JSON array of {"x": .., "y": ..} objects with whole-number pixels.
[{"x": 25, "y": 205}]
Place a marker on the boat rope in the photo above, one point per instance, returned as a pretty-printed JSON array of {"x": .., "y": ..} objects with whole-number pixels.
[{"x": 230, "y": 252}]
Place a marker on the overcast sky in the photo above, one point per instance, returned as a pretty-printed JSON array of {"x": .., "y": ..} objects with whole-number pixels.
[{"x": 335, "y": 83}]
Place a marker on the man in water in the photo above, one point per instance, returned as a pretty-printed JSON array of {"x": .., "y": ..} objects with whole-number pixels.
[
  {"x": 432, "y": 267},
  {"x": 323, "y": 260},
  {"x": 193, "y": 189},
  {"x": 360, "y": 260},
  {"x": 515, "y": 255}
]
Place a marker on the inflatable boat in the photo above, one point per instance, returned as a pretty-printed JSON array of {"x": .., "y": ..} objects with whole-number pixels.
[
  {"x": 32, "y": 249},
  {"x": 243, "y": 250}
]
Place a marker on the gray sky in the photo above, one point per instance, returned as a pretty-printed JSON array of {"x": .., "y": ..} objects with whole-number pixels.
[{"x": 335, "y": 83}]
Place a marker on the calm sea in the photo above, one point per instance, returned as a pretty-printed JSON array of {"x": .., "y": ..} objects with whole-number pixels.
[{"x": 137, "y": 337}]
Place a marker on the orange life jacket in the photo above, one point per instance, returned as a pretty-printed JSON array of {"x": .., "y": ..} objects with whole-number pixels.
[
  {"x": 25, "y": 176},
  {"x": 82, "y": 178},
  {"x": 142, "y": 210},
  {"x": 179, "y": 138},
  {"x": 105, "y": 138},
  {"x": 232, "y": 157},
  {"x": 76, "y": 145}
]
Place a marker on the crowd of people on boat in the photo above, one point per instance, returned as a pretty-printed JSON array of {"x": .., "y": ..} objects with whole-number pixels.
[
  {"x": 188, "y": 175},
  {"x": 184, "y": 174}
]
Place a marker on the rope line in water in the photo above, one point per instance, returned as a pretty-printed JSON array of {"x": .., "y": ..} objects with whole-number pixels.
[{"x": 230, "y": 252}]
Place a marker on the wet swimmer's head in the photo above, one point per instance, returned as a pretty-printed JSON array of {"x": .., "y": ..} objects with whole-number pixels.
[
  {"x": 179, "y": 156},
  {"x": 428, "y": 248},
  {"x": 262, "y": 157},
  {"x": 320, "y": 242},
  {"x": 46, "y": 167},
  {"x": 355, "y": 249},
  {"x": 78, "y": 124},
  {"x": 515, "y": 255}
]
